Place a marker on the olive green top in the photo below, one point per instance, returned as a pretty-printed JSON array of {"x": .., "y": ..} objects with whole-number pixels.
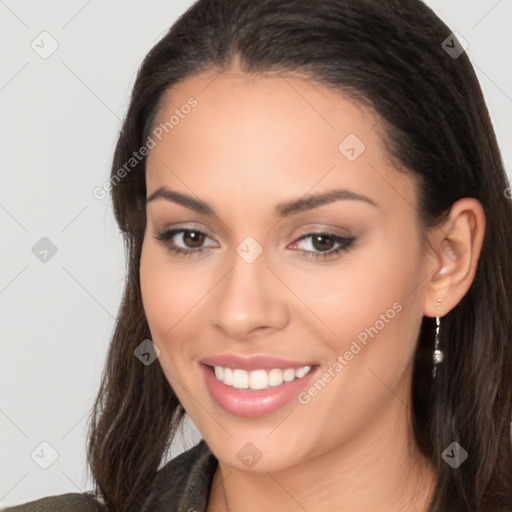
[{"x": 183, "y": 484}]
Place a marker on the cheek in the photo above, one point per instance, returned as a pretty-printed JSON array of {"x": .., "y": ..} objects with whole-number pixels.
[
  {"x": 158, "y": 297},
  {"x": 375, "y": 279},
  {"x": 380, "y": 313},
  {"x": 372, "y": 302},
  {"x": 169, "y": 292}
]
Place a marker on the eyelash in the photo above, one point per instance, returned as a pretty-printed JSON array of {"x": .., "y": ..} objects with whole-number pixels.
[{"x": 346, "y": 244}]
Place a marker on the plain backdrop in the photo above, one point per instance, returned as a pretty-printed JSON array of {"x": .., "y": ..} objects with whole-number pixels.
[{"x": 60, "y": 115}]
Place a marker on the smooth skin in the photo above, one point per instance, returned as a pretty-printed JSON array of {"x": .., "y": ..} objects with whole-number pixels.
[{"x": 251, "y": 143}]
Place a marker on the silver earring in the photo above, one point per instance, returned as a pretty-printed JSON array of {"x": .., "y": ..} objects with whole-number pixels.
[{"x": 438, "y": 355}]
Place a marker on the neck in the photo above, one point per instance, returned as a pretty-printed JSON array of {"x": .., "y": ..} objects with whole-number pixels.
[{"x": 380, "y": 468}]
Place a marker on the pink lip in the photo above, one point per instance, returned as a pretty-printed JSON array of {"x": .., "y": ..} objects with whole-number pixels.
[
  {"x": 253, "y": 362},
  {"x": 253, "y": 403}
]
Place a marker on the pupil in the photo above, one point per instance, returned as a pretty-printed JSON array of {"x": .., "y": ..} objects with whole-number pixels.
[
  {"x": 193, "y": 239},
  {"x": 322, "y": 242}
]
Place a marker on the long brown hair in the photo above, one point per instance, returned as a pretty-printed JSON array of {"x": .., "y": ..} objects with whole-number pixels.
[{"x": 390, "y": 56}]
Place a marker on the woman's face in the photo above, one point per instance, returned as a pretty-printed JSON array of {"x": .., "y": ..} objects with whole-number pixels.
[{"x": 242, "y": 182}]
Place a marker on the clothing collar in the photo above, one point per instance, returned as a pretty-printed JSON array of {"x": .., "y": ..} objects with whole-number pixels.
[{"x": 184, "y": 483}]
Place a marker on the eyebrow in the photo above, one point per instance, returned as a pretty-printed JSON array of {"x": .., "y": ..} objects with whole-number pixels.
[
  {"x": 282, "y": 210},
  {"x": 185, "y": 200}
]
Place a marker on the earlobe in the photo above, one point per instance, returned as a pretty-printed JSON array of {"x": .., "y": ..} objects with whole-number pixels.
[{"x": 459, "y": 242}]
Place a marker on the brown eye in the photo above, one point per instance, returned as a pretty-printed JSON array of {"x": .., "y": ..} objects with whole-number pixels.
[
  {"x": 193, "y": 239},
  {"x": 185, "y": 242},
  {"x": 322, "y": 242},
  {"x": 321, "y": 246}
]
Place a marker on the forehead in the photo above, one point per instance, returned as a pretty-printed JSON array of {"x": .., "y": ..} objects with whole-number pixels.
[{"x": 278, "y": 134}]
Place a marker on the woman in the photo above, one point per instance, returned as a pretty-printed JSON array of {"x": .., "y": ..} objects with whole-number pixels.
[{"x": 317, "y": 229}]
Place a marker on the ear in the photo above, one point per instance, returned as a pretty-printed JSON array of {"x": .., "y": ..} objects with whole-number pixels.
[{"x": 456, "y": 245}]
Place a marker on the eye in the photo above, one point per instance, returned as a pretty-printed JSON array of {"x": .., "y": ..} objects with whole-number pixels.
[
  {"x": 323, "y": 245},
  {"x": 184, "y": 242},
  {"x": 319, "y": 246}
]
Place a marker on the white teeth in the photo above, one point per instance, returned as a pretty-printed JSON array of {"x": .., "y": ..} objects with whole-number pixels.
[
  {"x": 258, "y": 379},
  {"x": 228, "y": 376},
  {"x": 240, "y": 379},
  {"x": 289, "y": 375},
  {"x": 300, "y": 372},
  {"x": 275, "y": 377}
]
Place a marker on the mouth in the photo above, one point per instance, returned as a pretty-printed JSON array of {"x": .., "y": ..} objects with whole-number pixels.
[
  {"x": 257, "y": 379},
  {"x": 253, "y": 393}
]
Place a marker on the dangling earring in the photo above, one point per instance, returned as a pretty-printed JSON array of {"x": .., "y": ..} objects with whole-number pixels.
[{"x": 438, "y": 353}]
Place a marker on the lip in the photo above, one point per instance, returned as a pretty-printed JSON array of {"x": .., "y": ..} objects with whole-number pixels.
[
  {"x": 254, "y": 362},
  {"x": 254, "y": 403}
]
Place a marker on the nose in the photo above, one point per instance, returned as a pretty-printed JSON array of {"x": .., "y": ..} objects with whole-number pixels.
[{"x": 249, "y": 300}]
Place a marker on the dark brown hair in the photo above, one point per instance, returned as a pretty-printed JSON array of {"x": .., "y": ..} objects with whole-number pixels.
[{"x": 387, "y": 55}]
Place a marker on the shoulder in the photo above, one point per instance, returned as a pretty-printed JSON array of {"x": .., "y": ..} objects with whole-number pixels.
[
  {"x": 181, "y": 484},
  {"x": 60, "y": 503},
  {"x": 184, "y": 482}
]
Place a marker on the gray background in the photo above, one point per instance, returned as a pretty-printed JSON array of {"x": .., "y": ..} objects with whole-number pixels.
[{"x": 59, "y": 119}]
